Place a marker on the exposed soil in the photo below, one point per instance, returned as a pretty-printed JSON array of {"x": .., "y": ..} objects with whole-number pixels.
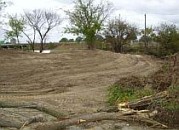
[{"x": 74, "y": 81}]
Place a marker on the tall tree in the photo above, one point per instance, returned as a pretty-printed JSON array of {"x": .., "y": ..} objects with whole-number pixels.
[
  {"x": 32, "y": 36},
  {"x": 168, "y": 38},
  {"x": 118, "y": 33},
  {"x": 43, "y": 22},
  {"x": 87, "y": 19},
  {"x": 16, "y": 27}
]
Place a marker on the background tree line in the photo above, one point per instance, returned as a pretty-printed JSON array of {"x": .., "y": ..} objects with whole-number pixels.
[{"x": 88, "y": 20}]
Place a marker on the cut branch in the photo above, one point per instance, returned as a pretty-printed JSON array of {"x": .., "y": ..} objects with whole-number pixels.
[{"x": 144, "y": 102}]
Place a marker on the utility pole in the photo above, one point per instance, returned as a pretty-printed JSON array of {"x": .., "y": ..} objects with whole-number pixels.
[
  {"x": 145, "y": 31},
  {"x": 145, "y": 25}
]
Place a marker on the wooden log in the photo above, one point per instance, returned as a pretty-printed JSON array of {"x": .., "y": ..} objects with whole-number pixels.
[
  {"x": 96, "y": 117},
  {"x": 34, "y": 119},
  {"x": 32, "y": 105},
  {"x": 7, "y": 120}
]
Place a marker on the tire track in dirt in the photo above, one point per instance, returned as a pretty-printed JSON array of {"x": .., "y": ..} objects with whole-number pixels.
[{"x": 74, "y": 81}]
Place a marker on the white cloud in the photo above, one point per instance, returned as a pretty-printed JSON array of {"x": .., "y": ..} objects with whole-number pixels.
[
  {"x": 131, "y": 10},
  {"x": 65, "y": 1},
  {"x": 19, "y": 6},
  {"x": 157, "y": 11},
  {"x": 148, "y": 6}
]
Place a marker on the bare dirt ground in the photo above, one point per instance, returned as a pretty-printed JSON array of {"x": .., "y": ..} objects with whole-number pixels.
[{"x": 74, "y": 81}]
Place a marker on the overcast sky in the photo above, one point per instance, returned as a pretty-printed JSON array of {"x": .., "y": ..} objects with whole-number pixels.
[{"x": 130, "y": 10}]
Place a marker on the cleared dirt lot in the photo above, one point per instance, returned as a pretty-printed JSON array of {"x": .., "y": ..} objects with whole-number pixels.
[{"x": 74, "y": 81}]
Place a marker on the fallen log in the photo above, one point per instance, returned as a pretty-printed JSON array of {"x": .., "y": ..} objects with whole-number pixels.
[
  {"x": 8, "y": 121},
  {"x": 32, "y": 105},
  {"x": 34, "y": 119},
  {"x": 129, "y": 117},
  {"x": 143, "y": 103}
]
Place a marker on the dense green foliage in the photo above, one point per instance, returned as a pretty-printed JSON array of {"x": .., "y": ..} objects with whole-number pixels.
[
  {"x": 168, "y": 38},
  {"x": 87, "y": 19},
  {"x": 64, "y": 40}
]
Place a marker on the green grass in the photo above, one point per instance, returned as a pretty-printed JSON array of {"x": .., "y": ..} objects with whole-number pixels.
[{"x": 118, "y": 94}]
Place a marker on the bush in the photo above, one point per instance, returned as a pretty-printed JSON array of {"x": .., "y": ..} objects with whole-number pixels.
[
  {"x": 118, "y": 93},
  {"x": 51, "y": 46},
  {"x": 173, "y": 102},
  {"x": 168, "y": 110}
]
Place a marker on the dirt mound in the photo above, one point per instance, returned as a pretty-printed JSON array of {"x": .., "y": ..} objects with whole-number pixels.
[
  {"x": 73, "y": 81},
  {"x": 132, "y": 82}
]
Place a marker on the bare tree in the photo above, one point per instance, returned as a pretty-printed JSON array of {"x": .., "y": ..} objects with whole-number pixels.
[
  {"x": 31, "y": 37},
  {"x": 118, "y": 33},
  {"x": 43, "y": 22}
]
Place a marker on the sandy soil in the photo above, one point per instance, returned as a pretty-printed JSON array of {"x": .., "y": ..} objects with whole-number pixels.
[{"x": 75, "y": 81}]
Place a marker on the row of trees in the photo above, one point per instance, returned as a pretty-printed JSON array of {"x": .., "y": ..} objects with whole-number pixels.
[
  {"x": 87, "y": 20},
  {"x": 165, "y": 37},
  {"x": 39, "y": 22}
]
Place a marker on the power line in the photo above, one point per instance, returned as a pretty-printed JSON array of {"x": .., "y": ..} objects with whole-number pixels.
[
  {"x": 141, "y": 14},
  {"x": 163, "y": 14}
]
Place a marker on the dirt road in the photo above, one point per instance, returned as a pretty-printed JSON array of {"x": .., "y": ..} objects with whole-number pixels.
[{"x": 75, "y": 81}]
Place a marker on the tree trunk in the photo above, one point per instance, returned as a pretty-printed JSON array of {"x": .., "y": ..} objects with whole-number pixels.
[
  {"x": 18, "y": 39},
  {"x": 131, "y": 117},
  {"x": 90, "y": 40},
  {"x": 8, "y": 120},
  {"x": 33, "y": 46},
  {"x": 41, "y": 46},
  {"x": 32, "y": 105},
  {"x": 90, "y": 45},
  {"x": 117, "y": 48}
]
